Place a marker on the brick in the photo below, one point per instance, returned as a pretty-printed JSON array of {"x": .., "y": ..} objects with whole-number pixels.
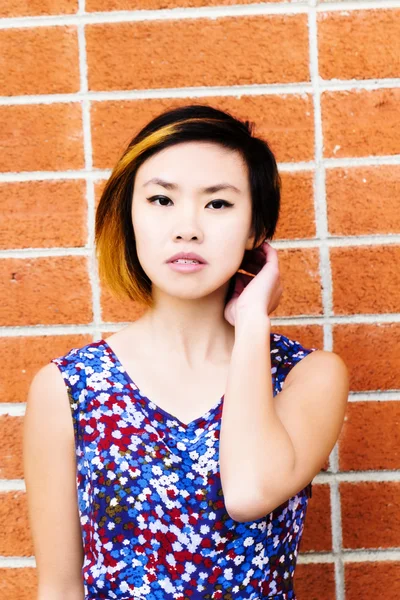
[
  {"x": 373, "y": 361},
  {"x": 380, "y": 501},
  {"x": 116, "y": 310},
  {"x": 228, "y": 51},
  {"x": 45, "y": 291},
  {"x": 360, "y": 274},
  {"x": 11, "y": 466},
  {"x": 374, "y": 576},
  {"x": 286, "y": 122},
  {"x": 300, "y": 276},
  {"x": 32, "y": 212},
  {"x": 19, "y": 583},
  {"x": 41, "y": 137},
  {"x": 109, "y": 5},
  {"x": 360, "y": 123},
  {"x": 105, "y": 334},
  {"x": 315, "y": 581},
  {"x": 370, "y": 437},
  {"x": 23, "y": 356},
  {"x": 363, "y": 200},
  {"x": 359, "y": 44},
  {"x": 15, "y": 533},
  {"x": 317, "y": 535},
  {"x": 297, "y": 216},
  {"x": 33, "y": 8},
  {"x": 34, "y": 59}
]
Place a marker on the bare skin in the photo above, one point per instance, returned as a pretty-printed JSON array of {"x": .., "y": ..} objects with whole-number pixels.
[
  {"x": 199, "y": 388},
  {"x": 49, "y": 472}
]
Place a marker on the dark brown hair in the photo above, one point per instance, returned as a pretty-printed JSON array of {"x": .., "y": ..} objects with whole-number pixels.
[{"x": 118, "y": 263}]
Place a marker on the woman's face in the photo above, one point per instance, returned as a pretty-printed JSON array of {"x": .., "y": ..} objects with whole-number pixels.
[{"x": 182, "y": 217}]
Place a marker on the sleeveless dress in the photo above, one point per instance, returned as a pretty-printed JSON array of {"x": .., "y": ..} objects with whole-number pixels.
[{"x": 151, "y": 507}]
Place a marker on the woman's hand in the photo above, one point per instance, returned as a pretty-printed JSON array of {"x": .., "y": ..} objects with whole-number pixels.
[{"x": 258, "y": 291}]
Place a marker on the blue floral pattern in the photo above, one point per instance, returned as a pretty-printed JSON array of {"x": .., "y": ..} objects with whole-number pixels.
[{"x": 153, "y": 519}]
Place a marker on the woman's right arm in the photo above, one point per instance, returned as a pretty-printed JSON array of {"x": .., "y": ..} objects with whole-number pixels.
[{"x": 50, "y": 478}]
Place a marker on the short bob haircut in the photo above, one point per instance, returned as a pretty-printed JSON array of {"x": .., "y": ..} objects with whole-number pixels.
[{"x": 118, "y": 263}]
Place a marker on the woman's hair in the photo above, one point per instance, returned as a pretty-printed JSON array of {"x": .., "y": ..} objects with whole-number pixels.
[{"x": 118, "y": 263}]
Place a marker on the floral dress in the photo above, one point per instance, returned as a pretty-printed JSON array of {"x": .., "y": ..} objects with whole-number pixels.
[{"x": 151, "y": 507}]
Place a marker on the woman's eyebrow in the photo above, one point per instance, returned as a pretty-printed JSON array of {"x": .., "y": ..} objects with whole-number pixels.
[{"x": 207, "y": 190}]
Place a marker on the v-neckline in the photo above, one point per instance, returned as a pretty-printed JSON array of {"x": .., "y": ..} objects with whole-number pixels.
[{"x": 148, "y": 401}]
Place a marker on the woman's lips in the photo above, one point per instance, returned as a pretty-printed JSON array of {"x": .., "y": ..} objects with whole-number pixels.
[{"x": 186, "y": 267}]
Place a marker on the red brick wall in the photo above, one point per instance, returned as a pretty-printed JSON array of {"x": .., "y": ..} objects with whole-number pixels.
[{"x": 322, "y": 82}]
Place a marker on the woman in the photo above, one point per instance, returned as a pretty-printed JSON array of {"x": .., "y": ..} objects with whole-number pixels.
[{"x": 185, "y": 471}]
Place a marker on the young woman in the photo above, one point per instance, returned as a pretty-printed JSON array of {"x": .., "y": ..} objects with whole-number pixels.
[{"x": 186, "y": 468}]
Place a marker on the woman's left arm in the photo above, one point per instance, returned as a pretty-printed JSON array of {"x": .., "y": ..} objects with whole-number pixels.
[{"x": 272, "y": 447}]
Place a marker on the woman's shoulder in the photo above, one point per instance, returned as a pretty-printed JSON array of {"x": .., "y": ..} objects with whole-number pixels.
[
  {"x": 78, "y": 352},
  {"x": 65, "y": 372},
  {"x": 286, "y": 352},
  {"x": 78, "y": 363},
  {"x": 77, "y": 355}
]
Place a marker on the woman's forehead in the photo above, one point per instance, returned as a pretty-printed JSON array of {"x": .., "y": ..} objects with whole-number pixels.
[{"x": 195, "y": 163}]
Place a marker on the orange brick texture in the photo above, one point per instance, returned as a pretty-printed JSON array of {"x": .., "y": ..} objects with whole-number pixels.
[{"x": 329, "y": 105}]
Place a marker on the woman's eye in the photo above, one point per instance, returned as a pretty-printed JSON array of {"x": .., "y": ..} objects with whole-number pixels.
[
  {"x": 224, "y": 202},
  {"x": 154, "y": 199}
]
